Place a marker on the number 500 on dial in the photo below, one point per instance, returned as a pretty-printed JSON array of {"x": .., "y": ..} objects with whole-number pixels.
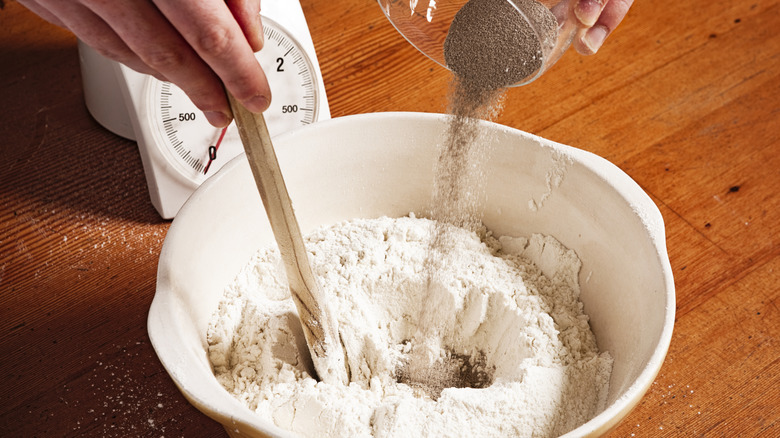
[{"x": 196, "y": 149}]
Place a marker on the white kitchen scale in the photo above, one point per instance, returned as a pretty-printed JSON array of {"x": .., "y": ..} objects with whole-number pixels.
[{"x": 179, "y": 148}]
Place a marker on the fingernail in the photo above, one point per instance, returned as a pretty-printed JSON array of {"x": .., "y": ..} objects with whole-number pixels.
[
  {"x": 594, "y": 38},
  {"x": 588, "y": 11},
  {"x": 256, "y": 36},
  {"x": 257, "y": 104},
  {"x": 217, "y": 119}
]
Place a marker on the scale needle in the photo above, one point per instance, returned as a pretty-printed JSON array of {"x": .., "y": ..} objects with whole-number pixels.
[{"x": 213, "y": 150}]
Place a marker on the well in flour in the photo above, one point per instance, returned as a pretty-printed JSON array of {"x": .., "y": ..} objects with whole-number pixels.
[{"x": 453, "y": 370}]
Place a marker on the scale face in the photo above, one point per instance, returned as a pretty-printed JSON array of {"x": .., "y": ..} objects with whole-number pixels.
[
  {"x": 195, "y": 148},
  {"x": 179, "y": 148}
]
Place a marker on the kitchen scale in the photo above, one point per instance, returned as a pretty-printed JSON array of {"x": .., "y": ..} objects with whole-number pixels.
[{"x": 179, "y": 148}]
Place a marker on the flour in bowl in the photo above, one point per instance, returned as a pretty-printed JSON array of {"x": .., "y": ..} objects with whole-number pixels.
[{"x": 506, "y": 312}]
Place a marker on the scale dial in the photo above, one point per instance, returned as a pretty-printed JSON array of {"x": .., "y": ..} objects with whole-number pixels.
[{"x": 194, "y": 148}]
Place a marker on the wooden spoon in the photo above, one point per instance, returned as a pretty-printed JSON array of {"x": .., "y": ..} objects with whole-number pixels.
[{"x": 319, "y": 326}]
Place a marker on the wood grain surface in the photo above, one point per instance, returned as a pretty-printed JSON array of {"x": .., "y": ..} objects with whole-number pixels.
[{"x": 684, "y": 97}]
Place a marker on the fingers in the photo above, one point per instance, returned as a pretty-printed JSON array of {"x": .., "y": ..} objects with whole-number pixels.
[
  {"x": 211, "y": 30},
  {"x": 247, "y": 15},
  {"x": 613, "y": 13},
  {"x": 598, "y": 18},
  {"x": 162, "y": 49},
  {"x": 588, "y": 11},
  {"x": 42, "y": 12},
  {"x": 91, "y": 29},
  {"x": 203, "y": 47}
]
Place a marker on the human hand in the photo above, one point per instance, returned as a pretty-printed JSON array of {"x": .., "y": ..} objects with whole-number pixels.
[
  {"x": 197, "y": 45},
  {"x": 598, "y": 19}
]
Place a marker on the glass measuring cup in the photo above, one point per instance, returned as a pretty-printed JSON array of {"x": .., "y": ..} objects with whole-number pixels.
[{"x": 426, "y": 23}]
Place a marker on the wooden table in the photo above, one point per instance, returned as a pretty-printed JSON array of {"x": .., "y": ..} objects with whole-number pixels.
[{"x": 684, "y": 97}]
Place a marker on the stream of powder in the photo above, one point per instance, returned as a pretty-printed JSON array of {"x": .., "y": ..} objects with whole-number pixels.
[
  {"x": 459, "y": 192},
  {"x": 488, "y": 48},
  {"x": 459, "y": 177}
]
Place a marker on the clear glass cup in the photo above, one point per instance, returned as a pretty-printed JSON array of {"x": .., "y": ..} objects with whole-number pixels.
[{"x": 425, "y": 24}]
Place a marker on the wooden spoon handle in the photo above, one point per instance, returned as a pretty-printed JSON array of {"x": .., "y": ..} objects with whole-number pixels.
[{"x": 320, "y": 328}]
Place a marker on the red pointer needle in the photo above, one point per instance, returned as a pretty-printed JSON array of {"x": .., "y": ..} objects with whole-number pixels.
[{"x": 213, "y": 150}]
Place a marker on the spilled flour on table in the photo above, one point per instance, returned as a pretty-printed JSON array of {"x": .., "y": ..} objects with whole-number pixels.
[{"x": 509, "y": 305}]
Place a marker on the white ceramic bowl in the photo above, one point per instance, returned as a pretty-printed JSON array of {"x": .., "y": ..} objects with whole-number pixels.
[{"x": 382, "y": 164}]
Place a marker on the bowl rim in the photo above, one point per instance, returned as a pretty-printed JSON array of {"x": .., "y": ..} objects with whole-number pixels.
[{"x": 627, "y": 188}]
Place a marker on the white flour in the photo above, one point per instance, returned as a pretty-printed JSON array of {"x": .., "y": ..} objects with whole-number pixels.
[{"x": 513, "y": 302}]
